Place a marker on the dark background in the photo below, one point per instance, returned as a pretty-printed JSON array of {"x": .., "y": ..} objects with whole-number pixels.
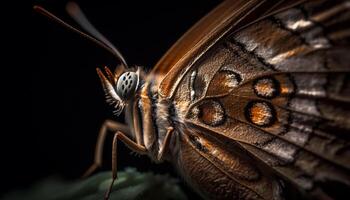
[{"x": 60, "y": 104}]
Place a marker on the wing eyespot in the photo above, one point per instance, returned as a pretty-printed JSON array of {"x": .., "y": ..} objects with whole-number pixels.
[
  {"x": 223, "y": 81},
  {"x": 266, "y": 87},
  {"x": 232, "y": 79},
  {"x": 260, "y": 113},
  {"x": 210, "y": 112}
]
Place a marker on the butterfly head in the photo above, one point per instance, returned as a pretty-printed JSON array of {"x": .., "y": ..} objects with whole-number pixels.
[{"x": 120, "y": 87}]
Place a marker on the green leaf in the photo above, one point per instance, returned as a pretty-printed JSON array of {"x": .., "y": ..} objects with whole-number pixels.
[{"x": 130, "y": 185}]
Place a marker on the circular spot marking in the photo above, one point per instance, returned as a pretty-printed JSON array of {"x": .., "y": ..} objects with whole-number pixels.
[
  {"x": 210, "y": 113},
  {"x": 229, "y": 78},
  {"x": 266, "y": 87},
  {"x": 260, "y": 113},
  {"x": 223, "y": 82}
]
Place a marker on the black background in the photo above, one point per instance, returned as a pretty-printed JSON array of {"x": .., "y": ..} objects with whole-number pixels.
[{"x": 60, "y": 104}]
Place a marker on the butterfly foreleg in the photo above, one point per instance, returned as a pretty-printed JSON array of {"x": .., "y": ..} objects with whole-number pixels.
[
  {"x": 109, "y": 126},
  {"x": 129, "y": 143}
]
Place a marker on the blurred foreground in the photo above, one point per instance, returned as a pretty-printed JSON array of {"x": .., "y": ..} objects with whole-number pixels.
[{"x": 130, "y": 184}]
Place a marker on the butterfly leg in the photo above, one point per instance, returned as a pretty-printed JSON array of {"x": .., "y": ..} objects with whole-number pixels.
[
  {"x": 129, "y": 143},
  {"x": 164, "y": 146},
  {"x": 108, "y": 126}
]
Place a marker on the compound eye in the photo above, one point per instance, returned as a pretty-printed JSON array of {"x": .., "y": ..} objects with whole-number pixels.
[{"x": 127, "y": 84}]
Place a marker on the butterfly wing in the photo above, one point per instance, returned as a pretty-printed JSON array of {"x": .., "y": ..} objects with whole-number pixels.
[
  {"x": 279, "y": 89},
  {"x": 228, "y": 15},
  {"x": 217, "y": 169}
]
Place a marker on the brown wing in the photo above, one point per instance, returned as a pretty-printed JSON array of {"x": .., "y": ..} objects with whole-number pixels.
[
  {"x": 280, "y": 89},
  {"x": 231, "y": 14},
  {"x": 217, "y": 170}
]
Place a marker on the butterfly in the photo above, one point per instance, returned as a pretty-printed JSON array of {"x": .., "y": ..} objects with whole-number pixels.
[{"x": 253, "y": 102}]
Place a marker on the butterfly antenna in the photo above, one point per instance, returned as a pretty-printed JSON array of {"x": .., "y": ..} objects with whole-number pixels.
[
  {"x": 99, "y": 40},
  {"x": 77, "y": 14}
]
